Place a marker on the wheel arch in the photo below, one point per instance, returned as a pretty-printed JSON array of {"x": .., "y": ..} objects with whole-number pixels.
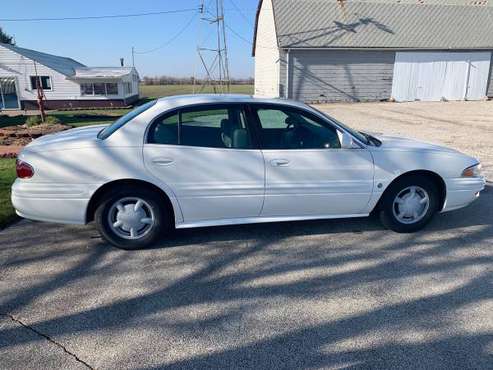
[
  {"x": 103, "y": 190},
  {"x": 435, "y": 177}
]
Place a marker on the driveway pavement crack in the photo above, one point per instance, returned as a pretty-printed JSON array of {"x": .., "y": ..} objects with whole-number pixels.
[{"x": 48, "y": 338}]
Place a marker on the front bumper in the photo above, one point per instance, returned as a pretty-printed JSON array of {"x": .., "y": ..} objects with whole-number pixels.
[
  {"x": 462, "y": 192},
  {"x": 62, "y": 203}
]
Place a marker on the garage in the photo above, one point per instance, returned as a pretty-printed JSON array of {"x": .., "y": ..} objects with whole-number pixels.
[
  {"x": 340, "y": 75},
  {"x": 434, "y": 76}
]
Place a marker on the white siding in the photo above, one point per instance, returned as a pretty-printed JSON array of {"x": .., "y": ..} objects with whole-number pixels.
[
  {"x": 13, "y": 64},
  {"x": 266, "y": 54}
]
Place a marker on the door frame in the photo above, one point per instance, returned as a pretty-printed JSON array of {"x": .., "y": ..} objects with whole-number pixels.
[
  {"x": 326, "y": 121},
  {"x": 16, "y": 85},
  {"x": 184, "y": 223}
]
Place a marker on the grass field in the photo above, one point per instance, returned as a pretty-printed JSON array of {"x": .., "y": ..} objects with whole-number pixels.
[
  {"x": 7, "y": 177},
  {"x": 156, "y": 91}
]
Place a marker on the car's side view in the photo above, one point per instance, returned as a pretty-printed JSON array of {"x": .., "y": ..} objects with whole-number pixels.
[{"x": 205, "y": 160}]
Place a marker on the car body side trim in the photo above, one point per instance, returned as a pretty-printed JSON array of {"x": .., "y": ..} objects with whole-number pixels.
[{"x": 256, "y": 220}]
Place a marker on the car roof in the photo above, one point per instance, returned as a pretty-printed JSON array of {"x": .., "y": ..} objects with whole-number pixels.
[{"x": 177, "y": 101}]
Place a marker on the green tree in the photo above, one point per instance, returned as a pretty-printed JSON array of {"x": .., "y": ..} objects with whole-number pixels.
[{"x": 5, "y": 39}]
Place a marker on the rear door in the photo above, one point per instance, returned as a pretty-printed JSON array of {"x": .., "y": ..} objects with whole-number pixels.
[
  {"x": 207, "y": 155},
  {"x": 307, "y": 171}
]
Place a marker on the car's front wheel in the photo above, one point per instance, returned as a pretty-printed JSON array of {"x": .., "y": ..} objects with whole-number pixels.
[
  {"x": 409, "y": 204},
  {"x": 131, "y": 218}
]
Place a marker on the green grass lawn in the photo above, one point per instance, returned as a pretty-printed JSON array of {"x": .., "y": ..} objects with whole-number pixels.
[
  {"x": 72, "y": 118},
  {"x": 7, "y": 177}
]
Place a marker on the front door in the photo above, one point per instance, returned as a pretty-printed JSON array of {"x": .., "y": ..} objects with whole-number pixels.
[
  {"x": 207, "y": 156},
  {"x": 307, "y": 171},
  {"x": 8, "y": 93}
]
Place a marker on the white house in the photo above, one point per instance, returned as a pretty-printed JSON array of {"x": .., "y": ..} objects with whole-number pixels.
[{"x": 66, "y": 83}]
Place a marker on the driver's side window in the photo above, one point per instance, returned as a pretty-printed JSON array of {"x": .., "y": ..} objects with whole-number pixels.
[{"x": 282, "y": 128}]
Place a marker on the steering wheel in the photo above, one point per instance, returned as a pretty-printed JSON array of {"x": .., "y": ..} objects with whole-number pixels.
[
  {"x": 290, "y": 124},
  {"x": 293, "y": 134}
]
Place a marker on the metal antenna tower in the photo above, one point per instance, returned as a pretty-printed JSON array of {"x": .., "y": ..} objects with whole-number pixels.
[{"x": 214, "y": 59}]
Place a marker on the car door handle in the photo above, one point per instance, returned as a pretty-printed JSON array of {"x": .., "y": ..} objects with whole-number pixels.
[
  {"x": 162, "y": 161},
  {"x": 279, "y": 162}
]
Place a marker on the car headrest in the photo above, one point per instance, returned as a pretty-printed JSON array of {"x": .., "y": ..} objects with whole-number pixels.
[
  {"x": 240, "y": 139},
  {"x": 227, "y": 126},
  {"x": 291, "y": 121}
]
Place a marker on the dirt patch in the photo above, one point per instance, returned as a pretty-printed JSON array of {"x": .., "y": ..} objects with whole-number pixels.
[
  {"x": 9, "y": 151},
  {"x": 22, "y": 135}
]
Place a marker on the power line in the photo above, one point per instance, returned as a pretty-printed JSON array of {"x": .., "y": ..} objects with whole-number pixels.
[
  {"x": 170, "y": 40},
  {"x": 237, "y": 8},
  {"x": 175, "y": 11},
  {"x": 214, "y": 59},
  {"x": 238, "y": 35},
  {"x": 245, "y": 39}
]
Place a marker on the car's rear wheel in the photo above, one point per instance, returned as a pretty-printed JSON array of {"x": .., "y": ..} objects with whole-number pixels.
[
  {"x": 132, "y": 218},
  {"x": 409, "y": 204}
]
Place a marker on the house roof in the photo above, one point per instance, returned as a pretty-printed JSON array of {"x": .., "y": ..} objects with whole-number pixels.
[
  {"x": 65, "y": 66},
  {"x": 393, "y": 24},
  {"x": 102, "y": 72}
]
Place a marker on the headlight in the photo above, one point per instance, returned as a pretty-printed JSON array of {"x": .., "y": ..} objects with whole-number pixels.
[{"x": 473, "y": 171}]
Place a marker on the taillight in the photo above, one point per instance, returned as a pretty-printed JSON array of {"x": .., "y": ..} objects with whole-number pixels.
[{"x": 24, "y": 170}]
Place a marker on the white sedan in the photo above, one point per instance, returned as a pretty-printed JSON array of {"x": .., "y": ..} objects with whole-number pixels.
[{"x": 204, "y": 160}]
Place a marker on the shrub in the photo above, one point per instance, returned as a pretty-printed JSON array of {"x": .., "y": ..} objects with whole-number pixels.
[
  {"x": 33, "y": 121},
  {"x": 36, "y": 120},
  {"x": 52, "y": 120}
]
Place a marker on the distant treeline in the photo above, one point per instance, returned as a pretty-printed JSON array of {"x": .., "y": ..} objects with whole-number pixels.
[{"x": 167, "y": 80}]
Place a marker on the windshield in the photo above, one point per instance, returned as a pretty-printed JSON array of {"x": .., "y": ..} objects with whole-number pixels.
[
  {"x": 360, "y": 136},
  {"x": 120, "y": 122}
]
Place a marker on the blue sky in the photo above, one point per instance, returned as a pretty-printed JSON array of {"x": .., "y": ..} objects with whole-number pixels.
[{"x": 102, "y": 42}]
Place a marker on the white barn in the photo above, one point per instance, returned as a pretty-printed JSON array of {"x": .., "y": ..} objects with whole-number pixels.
[
  {"x": 66, "y": 83},
  {"x": 371, "y": 50}
]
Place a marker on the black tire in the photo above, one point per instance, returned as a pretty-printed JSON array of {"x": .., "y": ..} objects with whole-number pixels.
[
  {"x": 161, "y": 216},
  {"x": 387, "y": 215}
]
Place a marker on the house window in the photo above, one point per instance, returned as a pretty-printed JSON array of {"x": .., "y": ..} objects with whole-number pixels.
[
  {"x": 127, "y": 88},
  {"x": 99, "y": 88},
  {"x": 87, "y": 89},
  {"x": 111, "y": 88},
  {"x": 44, "y": 82}
]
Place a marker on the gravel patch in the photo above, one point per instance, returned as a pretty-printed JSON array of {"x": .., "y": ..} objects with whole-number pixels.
[{"x": 465, "y": 126}]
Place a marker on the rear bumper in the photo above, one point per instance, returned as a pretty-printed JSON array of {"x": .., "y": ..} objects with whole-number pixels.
[
  {"x": 462, "y": 192},
  {"x": 62, "y": 203}
]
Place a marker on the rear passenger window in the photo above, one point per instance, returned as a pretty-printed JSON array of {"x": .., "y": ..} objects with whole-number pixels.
[
  {"x": 212, "y": 127},
  {"x": 164, "y": 131}
]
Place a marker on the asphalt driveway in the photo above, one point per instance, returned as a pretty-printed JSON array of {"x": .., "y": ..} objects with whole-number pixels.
[{"x": 321, "y": 294}]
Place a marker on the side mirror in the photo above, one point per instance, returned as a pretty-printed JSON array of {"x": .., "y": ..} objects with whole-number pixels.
[{"x": 347, "y": 141}]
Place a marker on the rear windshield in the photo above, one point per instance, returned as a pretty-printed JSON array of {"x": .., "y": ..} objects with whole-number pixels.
[{"x": 120, "y": 122}]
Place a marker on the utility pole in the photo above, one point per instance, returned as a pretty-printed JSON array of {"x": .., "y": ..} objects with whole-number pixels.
[
  {"x": 40, "y": 93},
  {"x": 214, "y": 59}
]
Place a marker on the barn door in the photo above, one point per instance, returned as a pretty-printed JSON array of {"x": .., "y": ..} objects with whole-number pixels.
[
  {"x": 433, "y": 76},
  {"x": 479, "y": 69}
]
